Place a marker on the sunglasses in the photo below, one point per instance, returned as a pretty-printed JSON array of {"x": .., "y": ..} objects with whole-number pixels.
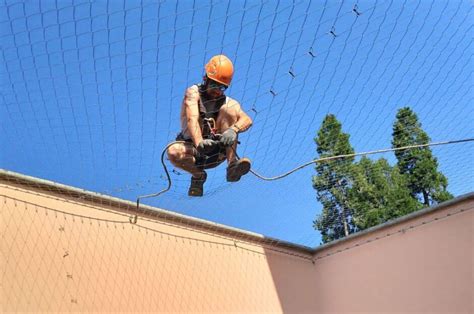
[{"x": 215, "y": 85}]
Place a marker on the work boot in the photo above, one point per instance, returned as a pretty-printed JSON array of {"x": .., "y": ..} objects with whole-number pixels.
[
  {"x": 197, "y": 185},
  {"x": 237, "y": 169}
]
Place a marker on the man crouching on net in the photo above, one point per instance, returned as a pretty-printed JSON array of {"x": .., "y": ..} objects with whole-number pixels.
[{"x": 210, "y": 124}]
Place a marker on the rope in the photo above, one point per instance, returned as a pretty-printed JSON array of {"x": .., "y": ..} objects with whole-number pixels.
[
  {"x": 303, "y": 165},
  {"x": 357, "y": 154}
]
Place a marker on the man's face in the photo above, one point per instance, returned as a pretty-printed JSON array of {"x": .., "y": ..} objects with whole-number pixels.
[{"x": 215, "y": 89}]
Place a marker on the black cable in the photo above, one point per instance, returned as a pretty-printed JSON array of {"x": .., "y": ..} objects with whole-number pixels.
[
  {"x": 303, "y": 165},
  {"x": 167, "y": 175}
]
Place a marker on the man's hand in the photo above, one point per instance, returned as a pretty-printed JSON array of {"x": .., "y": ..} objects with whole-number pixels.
[
  {"x": 228, "y": 137},
  {"x": 205, "y": 145}
]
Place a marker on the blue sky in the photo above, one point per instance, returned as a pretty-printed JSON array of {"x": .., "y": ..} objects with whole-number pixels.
[{"x": 91, "y": 93}]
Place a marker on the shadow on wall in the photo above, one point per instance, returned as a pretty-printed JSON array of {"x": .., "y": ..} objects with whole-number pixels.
[{"x": 293, "y": 281}]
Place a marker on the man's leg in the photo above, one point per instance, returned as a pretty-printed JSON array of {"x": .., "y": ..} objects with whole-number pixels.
[
  {"x": 235, "y": 168},
  {"x": 225, "y": 120},
  {"x": 182, "y": 155}
]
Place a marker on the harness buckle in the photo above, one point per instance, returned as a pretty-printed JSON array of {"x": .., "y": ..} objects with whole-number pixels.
[{"x": 211, "y": 123}]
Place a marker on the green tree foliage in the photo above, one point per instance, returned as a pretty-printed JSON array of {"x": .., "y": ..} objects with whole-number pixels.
[
  {"x": 418, "y": 165},
  {"x": 379, "y": 193},
  {"x": 332, "y": 181},
  {"x": 359, "y": 195}
]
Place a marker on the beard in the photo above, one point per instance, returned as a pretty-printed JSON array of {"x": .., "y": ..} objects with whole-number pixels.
[{"x": 214, "y": 94}]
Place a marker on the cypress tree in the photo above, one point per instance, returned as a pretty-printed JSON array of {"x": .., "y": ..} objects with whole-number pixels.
[
  {"x": 419, "y": 165},
  {"x": 332, "y": 181},
  {"x": 379, "y": 193}
]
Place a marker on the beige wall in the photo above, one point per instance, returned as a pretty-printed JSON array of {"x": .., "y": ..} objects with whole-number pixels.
[
  {"x": 61, "y": 255},
  {"x": 424, "y": 265},
  {"x": 55, "y": 260}
]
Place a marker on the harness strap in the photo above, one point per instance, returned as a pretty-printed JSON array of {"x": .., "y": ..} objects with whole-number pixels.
[{"x": 208, "y": 118}]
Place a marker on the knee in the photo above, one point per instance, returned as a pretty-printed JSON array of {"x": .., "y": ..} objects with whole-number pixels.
[{"x": 175, "y": 152}]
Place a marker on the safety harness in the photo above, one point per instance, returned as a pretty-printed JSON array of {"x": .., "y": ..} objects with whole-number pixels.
[{"x": 209, "y": 117}]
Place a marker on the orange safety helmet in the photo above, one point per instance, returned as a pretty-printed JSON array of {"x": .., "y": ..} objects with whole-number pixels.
[{"x": 220, "y": 69}]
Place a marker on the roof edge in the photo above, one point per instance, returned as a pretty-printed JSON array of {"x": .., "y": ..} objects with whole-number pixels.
[
  {"x": 188, "y": 221},
  {"x": 416, "y": 214},
  {"x": 155, "y": 212}
]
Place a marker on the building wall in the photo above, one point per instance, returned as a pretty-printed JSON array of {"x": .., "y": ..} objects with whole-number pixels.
[
  {"x": 61, "y": 254},
  {"x": 423, "y": 265}
]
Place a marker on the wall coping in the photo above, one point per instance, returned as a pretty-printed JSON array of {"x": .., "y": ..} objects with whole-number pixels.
[
  {"x": 83, "y": 195},
  {"x": 176, "y": 218},
  {"x": 397, "y": 221}
]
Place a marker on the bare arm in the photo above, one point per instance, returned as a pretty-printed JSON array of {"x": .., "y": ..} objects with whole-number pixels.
[
  {"x": 191, "y": 107},
  {"x": 244, "y": 122}
]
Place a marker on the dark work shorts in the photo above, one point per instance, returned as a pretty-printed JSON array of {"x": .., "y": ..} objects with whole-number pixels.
[{"x": 211, "y": 159}]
